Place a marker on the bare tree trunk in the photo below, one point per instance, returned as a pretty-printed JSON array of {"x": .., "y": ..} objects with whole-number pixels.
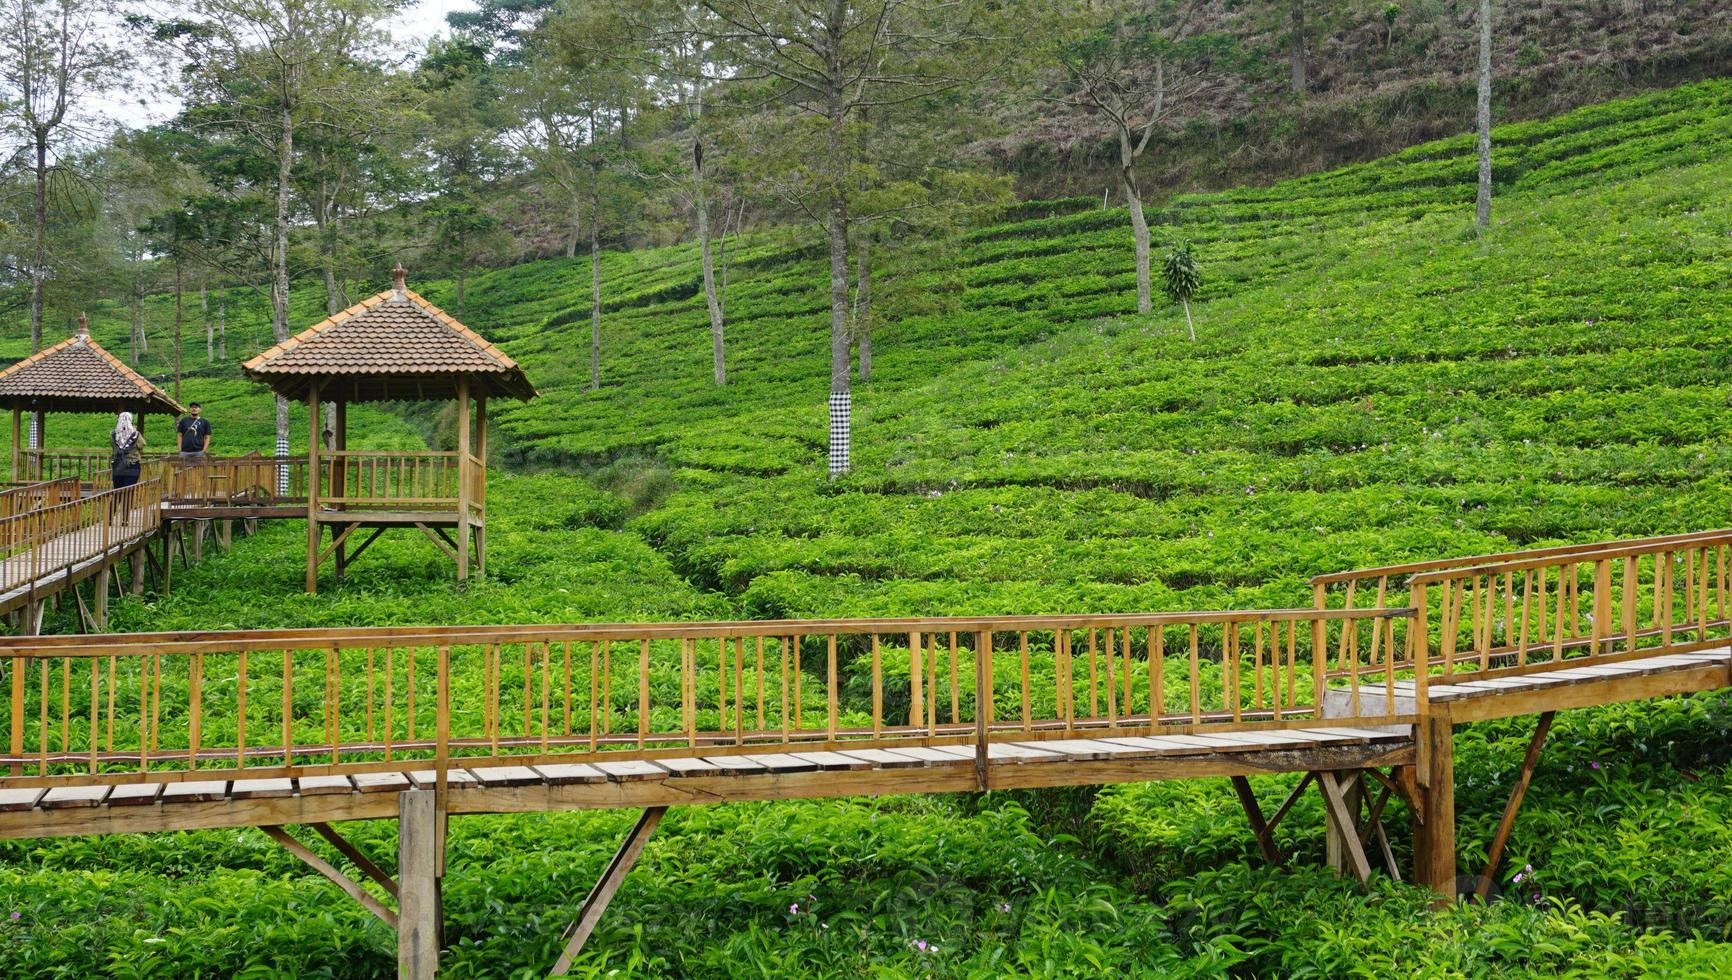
[
  {"x": 179, "y": 318},
  {"x": 280, "y": 284},
  {"x": 1139, "y": 225},
  {"x": 717, "y": 348},
  {"x": 1298, "y": 50},
  {"x": 594, "y": 294},
  {"x": 209, "y": 327},
  {"x": 1189, "y": 323},
  {"x": 137, "y": 328},
  {"x": 863, "y": 305},
  {"x": 841, "y": 384},
  {"x": 38, "y": 263},
  {"x": 576, "y": 231},
  {"x": 333, "y": 292},
  {"x": 1482, "y": 207},
  {"x": 223, "y": 326},
  {"x": 462, "y": 269},
  {"x": 39, "y": 240}
]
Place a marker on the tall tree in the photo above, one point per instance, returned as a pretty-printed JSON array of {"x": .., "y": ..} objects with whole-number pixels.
[
  {"x": 53, "y": 55},
  {"x": 588, "y": 132},
  {"x": 263, "y": 67},
  {"x": 827, "y": 62},
  {"x": 1147, "y": 63},
  {"x": 1482, "y": 206}
]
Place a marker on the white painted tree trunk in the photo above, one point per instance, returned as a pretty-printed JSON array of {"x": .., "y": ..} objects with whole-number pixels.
[{"x": 1482, "y": 207}]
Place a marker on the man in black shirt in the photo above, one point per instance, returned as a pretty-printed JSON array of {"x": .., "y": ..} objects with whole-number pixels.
[{"x": 194, "y": 432}]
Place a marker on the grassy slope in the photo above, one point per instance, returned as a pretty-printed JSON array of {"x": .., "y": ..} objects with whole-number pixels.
[{"x": 1371, "y": 383}]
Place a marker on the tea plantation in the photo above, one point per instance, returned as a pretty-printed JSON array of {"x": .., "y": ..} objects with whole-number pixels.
[{"x": 1371, "y": 382}]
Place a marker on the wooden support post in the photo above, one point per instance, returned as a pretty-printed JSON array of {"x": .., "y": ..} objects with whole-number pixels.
[
  {"x": 99, "y": 611},
  {"x": 167, "y": 558},
  {"x": 1341, "y": 829},
  {"x": 602, "y": 894},
  {"x": 462, "y": 480},
  {"x": 198, "y": 528},
  {"x": 226, "y": 533},
  {"x": 1494, "y": 856},
  {"x": 340, "y": 482},
  {"x": 1434, "y": 820},
  {"x": 137, "y": 562},
  {"x": 313, "y": 481},
  {"x": 419, "y": 916},
  {"x": 1341, "y": 814},
  {"x": 479, "y": 493},
  {"x": 1259, "y": 826}
]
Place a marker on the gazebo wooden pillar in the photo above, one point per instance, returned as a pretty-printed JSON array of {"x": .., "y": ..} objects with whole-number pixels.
[
  {"x": 76, "y": 375},
  {"x": 394, "y": 346}
]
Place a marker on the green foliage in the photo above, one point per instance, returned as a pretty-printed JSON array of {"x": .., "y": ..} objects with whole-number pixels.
[
  {"x": 1179, "y": 276},
  {"x": 1375, "y": 386}
]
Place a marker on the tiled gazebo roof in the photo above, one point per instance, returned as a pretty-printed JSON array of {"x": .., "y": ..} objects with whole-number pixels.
[
  {"x": 77, "y": 375},
  {"x": 392, "y": 346}
]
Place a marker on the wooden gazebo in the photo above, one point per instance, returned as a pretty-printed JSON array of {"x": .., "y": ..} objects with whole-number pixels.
[
  {"x": 394, "y": 346},
  {"x": 75, "y": 375}
]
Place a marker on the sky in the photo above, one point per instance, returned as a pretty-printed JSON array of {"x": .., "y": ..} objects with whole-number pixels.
[{"x": 413, "y": 25}]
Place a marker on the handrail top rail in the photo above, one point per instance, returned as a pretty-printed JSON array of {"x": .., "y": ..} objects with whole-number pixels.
[
  {"x": 87, "y": 644},
  {"x": 1473, "y": 561},
  {"x": 1621, "y": 550},
  {"x": 37, "y": 485},
  {"x": 98, "y": 497}
]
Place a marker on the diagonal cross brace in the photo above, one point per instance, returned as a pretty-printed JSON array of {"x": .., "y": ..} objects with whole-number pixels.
[
  {"x": 338, "y": 878},
  {"x": 602, "y": 894}
]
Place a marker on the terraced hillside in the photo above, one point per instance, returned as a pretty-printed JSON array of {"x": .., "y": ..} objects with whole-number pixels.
[{"x": 1371, "y": 382}]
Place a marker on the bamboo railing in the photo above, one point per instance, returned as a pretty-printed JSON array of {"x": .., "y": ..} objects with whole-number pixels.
[
  {"x": 44, "y": 542},
  {"x": 90, "y": 466},
  {"x": 33, "y": 496},
  {"x": 1515, "y": 610},
  {"x": 250, "y": 479},
  {"x": 362, "y": 480},
  {"x": 153, "y": 707}
]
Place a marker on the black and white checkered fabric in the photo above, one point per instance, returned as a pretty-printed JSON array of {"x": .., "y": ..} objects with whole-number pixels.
[
  {"x": 841, "y": 429},
  {"x": 35, "y": 440},
  {"x": 282, "y": 465}
]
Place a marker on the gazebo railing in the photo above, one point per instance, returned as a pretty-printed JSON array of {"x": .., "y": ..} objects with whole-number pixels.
[
  {"x": 88, "y": 465},
  {"x": 251, "y": 479},
  {"x": 370, "y": 480}
]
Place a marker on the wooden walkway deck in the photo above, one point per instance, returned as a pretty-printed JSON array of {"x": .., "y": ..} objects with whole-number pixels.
[
  {"x": 51, "y": 549},
  {"x": 195, "y": 803},
  {"x": 111, "y": 734}
]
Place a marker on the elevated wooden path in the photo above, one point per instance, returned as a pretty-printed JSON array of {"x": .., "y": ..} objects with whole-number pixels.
[
  {"x": 59, "y": 537},
  {"x": 1360, "y": 693}
]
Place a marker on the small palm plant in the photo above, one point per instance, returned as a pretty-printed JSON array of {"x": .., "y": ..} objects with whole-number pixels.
[{"x": 1181, "y": 280}]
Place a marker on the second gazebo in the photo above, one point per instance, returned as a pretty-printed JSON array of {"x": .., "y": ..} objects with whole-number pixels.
[{"x": 395, "y": 346}]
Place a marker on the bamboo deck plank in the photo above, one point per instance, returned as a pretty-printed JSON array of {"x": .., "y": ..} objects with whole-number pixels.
[
  {"x": 204, "y": 791},
  {"x": 567, "y": 774},
  {"x": 138, "y": 794},
  {"x": 323, "y": 785},
  {"x": 258, "y": 789},
  {"x": 631, "y": 772},
  {"x": 381, "y": 782},
  {"x": 498, "y": 776},
  {"x": 66, "y": 797}
]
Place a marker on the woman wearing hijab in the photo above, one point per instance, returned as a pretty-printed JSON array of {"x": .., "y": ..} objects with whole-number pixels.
[{"x": 128, "y": 448}]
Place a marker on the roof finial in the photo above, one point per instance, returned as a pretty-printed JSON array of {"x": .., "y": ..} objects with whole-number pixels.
[
  {"x": 83, "y": 326},
  {"x": 397, "y": 287}
]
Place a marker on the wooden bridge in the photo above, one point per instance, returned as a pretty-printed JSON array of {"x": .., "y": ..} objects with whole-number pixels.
[{"x": 151, "y": 732}]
